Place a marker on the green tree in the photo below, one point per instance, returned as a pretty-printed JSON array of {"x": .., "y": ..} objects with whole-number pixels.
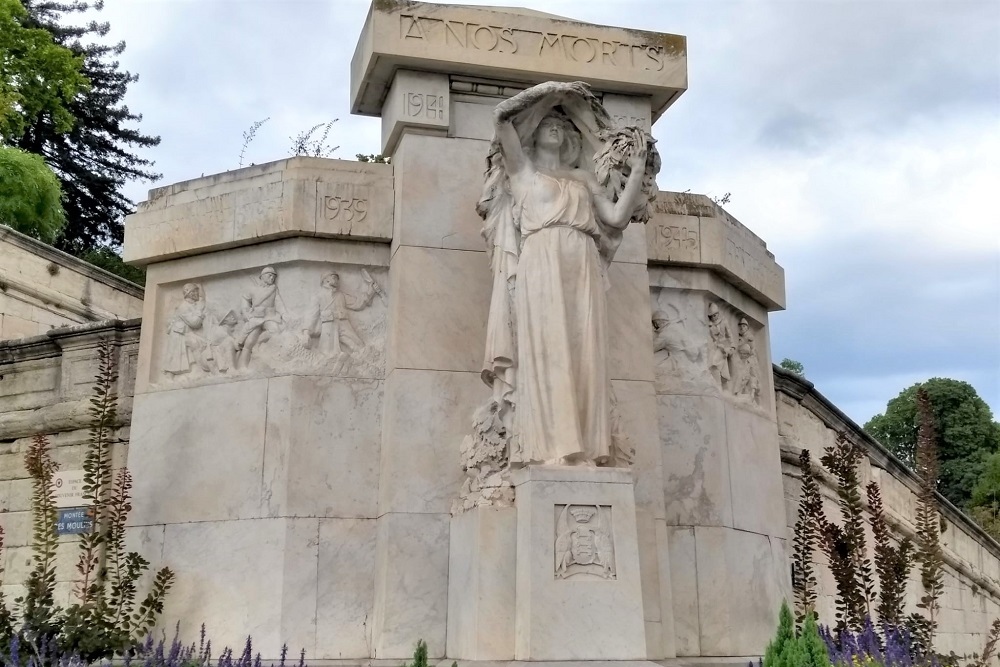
[
  {"x": 775, "y": 654},
  {"x": 985, "y": 503},
  {"x": 96, "y": 158},
  {"x": 29, "y": 195},
  {"x": 38, "y": 78},
  {"x": 793, "y": 366},
  {"x": 966, "y": 433}
]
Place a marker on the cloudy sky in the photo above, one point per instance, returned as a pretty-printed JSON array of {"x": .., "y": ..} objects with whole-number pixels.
[{"x": 860, "y": 139}]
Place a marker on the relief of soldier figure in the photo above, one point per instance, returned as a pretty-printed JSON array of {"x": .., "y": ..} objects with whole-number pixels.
[
  {"x": 262, "y": 330},
  {"x": 695, "y": 354}
]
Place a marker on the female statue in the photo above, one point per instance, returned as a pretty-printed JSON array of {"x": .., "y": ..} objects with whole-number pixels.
[{"x": 560, "y": 188}]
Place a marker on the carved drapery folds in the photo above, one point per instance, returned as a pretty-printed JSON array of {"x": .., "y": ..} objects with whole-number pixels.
[
  {"x": 326, "y": 319},
  {"x": 562, "y": 182}
]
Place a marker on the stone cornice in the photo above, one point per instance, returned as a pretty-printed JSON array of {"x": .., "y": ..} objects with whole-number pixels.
[{"x": 52, "y": 343}]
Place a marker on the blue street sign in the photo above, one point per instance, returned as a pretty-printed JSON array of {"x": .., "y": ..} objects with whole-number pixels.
[{"x": 74, "y": 520}]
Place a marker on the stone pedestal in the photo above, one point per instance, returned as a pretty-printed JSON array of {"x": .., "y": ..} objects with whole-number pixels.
[{"x": 579, "y": 592}]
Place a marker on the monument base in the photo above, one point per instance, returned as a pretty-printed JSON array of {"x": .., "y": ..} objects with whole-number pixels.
[{"x": 579, "y": 595}]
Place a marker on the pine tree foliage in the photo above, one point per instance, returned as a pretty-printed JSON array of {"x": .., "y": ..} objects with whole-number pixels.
[
  {"x": 928, "y": 522},
  {"x": 892, "y": 563},
  {"x": 813, "y": 648},
  {"x": 97, "y": 157},
  {"x": 845, "y": 545},
  {"x": 774, "y": 654},
  {"x": 808, "y": 532},
  {"x": 789, "y": 648}
]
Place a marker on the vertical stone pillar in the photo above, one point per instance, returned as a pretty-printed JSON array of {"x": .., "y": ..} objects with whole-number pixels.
[
  {"x": 440, "y": 273},
  {"x": 258, "y": 403},
  {"x": 434, "y": 73},
  {"x": 712, "y": 285}
]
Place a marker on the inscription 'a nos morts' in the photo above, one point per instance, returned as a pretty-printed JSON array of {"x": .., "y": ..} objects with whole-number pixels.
[{"x": 531, "y": 43}]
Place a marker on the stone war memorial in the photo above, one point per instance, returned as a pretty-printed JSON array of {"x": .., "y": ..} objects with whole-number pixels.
[
  {"x": 500, "y": 394},
  {"x": 486, "y": 395}
]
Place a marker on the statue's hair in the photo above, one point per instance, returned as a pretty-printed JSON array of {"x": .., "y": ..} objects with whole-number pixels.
[{"x": 569, "y": 153}]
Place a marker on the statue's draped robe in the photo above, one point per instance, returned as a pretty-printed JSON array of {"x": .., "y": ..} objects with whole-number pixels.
[{"x": 562, "y": 325}]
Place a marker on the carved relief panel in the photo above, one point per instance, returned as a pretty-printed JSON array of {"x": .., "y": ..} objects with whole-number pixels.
[
  {"x": 300, "y": 317},
  {"x": 584, "y": 542},
  {"x": 702, "y": 345}
]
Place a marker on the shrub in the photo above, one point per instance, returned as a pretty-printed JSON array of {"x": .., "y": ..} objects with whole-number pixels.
[
  {"x": 107, "y": 617},
  {"x": 789, "y": 648}
]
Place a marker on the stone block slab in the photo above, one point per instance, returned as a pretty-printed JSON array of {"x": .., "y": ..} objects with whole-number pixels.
[
  {"x": 481, "y": 584},
  {"x": 438, "y": 181},
  {"x": 755, "y": 472},
  {"x": 345, "y": 588},
  {"x": 512, "y": 44},
  {"x": 696, "y": 463},
  {"x": 427, "y": 415},
  {"x": 579, "y": 585},
  {"x": 735, "y": 624},
  {"x": 438, "y": 313},
  {"x": 275, "y": 607},
  {"x": 322, "y": 443},
  {"x": 411, "y": 585},
  {"x": 197, "y": 454},
  {"x": 299, "y": 196}
]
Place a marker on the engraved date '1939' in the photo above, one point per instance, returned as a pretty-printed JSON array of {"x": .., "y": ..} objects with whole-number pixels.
[{"x": 347, "y": 209}]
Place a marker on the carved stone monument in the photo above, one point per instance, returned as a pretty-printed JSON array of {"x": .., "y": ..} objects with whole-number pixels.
[{"x": 312, "y": 400}]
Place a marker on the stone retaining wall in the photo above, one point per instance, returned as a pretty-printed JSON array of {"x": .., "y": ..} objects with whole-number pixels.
[
  {"x": 45, "y": 388},
  {"x": 971, "y": 599},
  {"x": 42, "y": 288}
]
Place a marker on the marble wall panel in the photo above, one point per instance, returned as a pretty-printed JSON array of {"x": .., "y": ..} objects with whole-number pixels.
[
  {"x": 481, "y": 584},
  {"x": 345, "y": 588},
  {"x": 322, "y": 443},
  {"x": 198, "y": 453},
  {"x": 427, "y": 414},
  {"x": 755, "y": 479},
  {"x": 731, "y": 624},
  {"x": 276, "y": 607},
  {"x": 629, "y": 337},
  {"x": 436, "y": 198},
  {"x": 684, "y": 589},
  {"x": 411, "y": 585},
  {"x": 696, "y": 465},
  {"x": 637, "y": 408},
  {"x": 439, "y": 309}
]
